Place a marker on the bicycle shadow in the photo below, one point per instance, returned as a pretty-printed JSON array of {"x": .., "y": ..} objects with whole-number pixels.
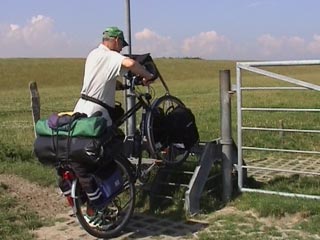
[{"x": 144, "y": 226}]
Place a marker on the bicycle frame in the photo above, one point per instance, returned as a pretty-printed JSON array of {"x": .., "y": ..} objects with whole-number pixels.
[
  {"x": 140, "y": 104},
  {"x": 137, "y": 140}
]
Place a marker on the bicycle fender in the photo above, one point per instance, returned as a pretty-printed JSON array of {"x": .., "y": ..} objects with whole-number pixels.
[{"x": 73, "y": 192}]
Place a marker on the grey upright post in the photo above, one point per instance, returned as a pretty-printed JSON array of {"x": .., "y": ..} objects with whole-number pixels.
[
  {"x": 35, "y": 104},
  {"x": 130, "y": 100},
  {"x": 226, "y": 137}
]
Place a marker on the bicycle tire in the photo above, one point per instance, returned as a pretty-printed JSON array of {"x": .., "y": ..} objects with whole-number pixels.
[
  {"x": 117, "y": 215},
  {"x": 169, "y": 153}
]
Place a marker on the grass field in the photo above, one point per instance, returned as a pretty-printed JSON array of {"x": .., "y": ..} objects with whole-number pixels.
[{"x": 195, "y": 82}]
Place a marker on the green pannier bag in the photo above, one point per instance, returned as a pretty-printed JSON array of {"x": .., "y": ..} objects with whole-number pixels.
[
  {"x": 67, "y": 137},
  {"x": 82, "y": 127}
]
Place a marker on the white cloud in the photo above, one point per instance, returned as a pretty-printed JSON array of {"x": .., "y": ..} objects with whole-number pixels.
[
  {"x": 284, "y": 47},
  {"x": 206, "y": 45},
  {"x": 212, "y": 45},
  {"x": 147, "y": 34},
  {"x": 269, "y": 44},
  {"x": 14, "y": 27},
  {"x": 314, "y": 46},
  {"x": 37, "y": 38},
  {"x": 38, "y": 18},
  {"x": 148, "y": 41}
]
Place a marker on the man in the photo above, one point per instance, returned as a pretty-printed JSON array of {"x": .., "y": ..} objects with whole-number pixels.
[{"x": 104, "y": 65}]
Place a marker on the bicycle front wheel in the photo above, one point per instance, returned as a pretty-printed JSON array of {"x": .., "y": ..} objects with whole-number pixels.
[
  {"x": 157, "y": 133},
  {"x": 115, "y": 216}
]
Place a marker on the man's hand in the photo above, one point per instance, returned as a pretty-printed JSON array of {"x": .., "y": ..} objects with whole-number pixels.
[{"x": 148, "y": 81}]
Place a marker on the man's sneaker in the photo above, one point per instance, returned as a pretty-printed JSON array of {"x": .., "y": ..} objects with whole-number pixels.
[{"x": 96, "y": 219}]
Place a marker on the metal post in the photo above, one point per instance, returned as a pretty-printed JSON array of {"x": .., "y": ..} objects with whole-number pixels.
[
  {"x": 128, "y": 23},
  {"x": 129, "y": 99},
  {"x": 226, "y": 137}
]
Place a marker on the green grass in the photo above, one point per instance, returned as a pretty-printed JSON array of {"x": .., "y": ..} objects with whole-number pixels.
[
  {"x": 261, "y": 216},
  {"x": 16, "y": 220},
  {"x": 33, "y": 171},
  {"x": 196, "y": 83}
]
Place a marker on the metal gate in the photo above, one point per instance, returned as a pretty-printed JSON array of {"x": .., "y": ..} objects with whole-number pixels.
[{"x": 266, "y": 72}]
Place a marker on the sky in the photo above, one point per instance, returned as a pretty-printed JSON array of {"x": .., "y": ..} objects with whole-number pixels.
[{"x": 208, "y": 29}]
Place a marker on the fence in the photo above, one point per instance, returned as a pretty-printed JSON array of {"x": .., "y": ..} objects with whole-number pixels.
[{"x": 259, "y": 68}]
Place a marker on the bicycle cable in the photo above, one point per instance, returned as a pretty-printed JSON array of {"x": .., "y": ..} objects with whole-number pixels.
[{"x": 150, "y": 91}]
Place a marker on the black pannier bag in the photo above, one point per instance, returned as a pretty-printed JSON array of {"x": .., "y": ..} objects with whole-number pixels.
[
  {"x": 51, "y": 149},
  {"x": 182, "y": 128},
  {"x": 159, "y": 128},
  {"x": 71, "y": 138}
]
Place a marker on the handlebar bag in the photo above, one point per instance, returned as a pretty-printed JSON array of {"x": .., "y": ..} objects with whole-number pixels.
[
  {"x": 182, "y": 127},
  {"x": 70, "y": 138}
]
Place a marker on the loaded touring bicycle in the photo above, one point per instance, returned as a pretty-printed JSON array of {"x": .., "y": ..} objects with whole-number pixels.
[{"x": 167, "y": 131}]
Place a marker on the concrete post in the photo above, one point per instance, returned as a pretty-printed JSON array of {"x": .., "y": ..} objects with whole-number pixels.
[{"x": 226, "y": 136}]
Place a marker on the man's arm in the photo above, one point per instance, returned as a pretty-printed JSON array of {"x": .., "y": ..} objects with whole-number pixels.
[{"x": 137, "y": 69}]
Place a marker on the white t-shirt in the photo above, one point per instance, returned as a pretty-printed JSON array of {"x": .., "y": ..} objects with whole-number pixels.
[{"x": 102, "y": 69}]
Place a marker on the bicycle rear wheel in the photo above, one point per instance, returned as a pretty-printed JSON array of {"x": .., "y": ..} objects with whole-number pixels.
[
  {"x": 115, "y": 216},
  {"x": 157, "y": 134}
]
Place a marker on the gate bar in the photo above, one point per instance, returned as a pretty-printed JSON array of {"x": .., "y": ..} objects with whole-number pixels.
[
  {"x": 296, "y": 195},
  {"x": 280, "y": 77}
]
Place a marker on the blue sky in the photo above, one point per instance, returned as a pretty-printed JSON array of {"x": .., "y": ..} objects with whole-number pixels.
[{"x": 210, "y": 29}]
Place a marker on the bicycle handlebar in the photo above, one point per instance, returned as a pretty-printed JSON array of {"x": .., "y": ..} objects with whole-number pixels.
[{"x": 151, "y": 68}]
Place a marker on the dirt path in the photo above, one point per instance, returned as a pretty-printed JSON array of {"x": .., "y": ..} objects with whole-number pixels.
[
  {"x": 46, "y": 202},
  {"x": 49, "y": 202}
]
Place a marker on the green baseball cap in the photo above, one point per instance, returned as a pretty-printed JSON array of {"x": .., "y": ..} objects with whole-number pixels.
[{"x": 115, "y": 32}]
